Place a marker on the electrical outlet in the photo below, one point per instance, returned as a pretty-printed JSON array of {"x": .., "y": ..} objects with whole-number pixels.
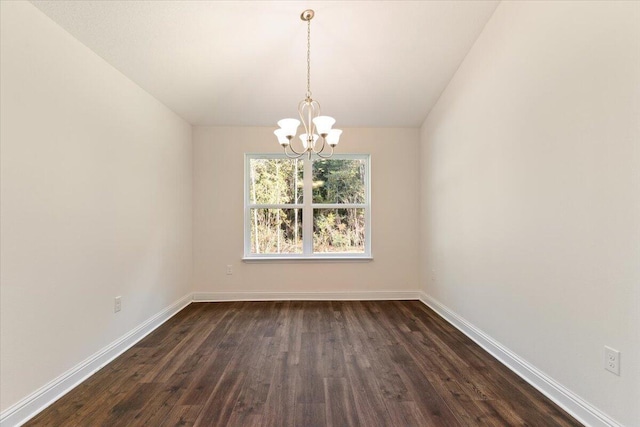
[
  {"x": 229, "y": 269},
  {"x": 117, "y": 304},
  {"x": 612, "y": 360}
]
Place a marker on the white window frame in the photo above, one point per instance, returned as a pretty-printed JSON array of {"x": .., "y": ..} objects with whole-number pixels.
[{"x": 307, "y": 208}]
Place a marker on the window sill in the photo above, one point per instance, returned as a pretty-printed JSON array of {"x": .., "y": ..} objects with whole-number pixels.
[{"x": 302, "y": 259}]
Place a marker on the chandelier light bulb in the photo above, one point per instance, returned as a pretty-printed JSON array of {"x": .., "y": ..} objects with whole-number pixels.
[
  {"x": 305, "y": 141},
  {"x": 289, "y": 126},
  {"x": 282, "y": 137},
  {"x": 323, "y": 124},
  {"x": 334, "y": 137}
]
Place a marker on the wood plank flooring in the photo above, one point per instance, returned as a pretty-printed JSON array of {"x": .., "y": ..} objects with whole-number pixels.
[{"x": 294, "y": 363}]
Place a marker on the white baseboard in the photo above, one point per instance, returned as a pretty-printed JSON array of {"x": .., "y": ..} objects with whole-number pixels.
[
  {"x": 563, "y": 397},
  {"x": 27, "y": 408},
  {"x": 305, "y": 296}
]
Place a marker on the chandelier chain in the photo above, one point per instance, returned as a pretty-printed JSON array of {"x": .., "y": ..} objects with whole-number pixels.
[{"x": 309, "y": 59}]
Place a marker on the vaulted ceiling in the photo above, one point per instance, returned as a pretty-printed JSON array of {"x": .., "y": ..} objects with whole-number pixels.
[{"x": 243, "y": 63}]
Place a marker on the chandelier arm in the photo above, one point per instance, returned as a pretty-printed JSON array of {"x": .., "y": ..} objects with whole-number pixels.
[
  {"x": 319, "y": 154},
  {"x": 308, "y": 109},
  {"x": 321, "y": 148},
  {"x": 294, "y": 151},
  {"x": 303, "y": 119},
  {"x": 296, "y": 155},
  {"x": 315, "y": 105}
]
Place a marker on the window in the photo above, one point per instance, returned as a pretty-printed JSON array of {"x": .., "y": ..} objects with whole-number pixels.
[{"x": 301, "y": 208}]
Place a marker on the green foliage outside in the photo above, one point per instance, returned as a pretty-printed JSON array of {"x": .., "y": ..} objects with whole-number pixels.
[
  {"x": 276, "y": 181},
  {"x": 338, "y": 181}
]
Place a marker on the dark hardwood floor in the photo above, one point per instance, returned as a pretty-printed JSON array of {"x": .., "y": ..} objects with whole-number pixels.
[{"x": 383, "y": 363}]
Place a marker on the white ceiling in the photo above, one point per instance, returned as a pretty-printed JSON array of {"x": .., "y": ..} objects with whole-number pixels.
[{"x": 227, "y": 63}]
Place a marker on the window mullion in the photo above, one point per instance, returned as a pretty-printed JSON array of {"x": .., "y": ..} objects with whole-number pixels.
[
  {"x": 307, "y": 211},
  {"x": 339, "y": 205},
  {"x": 274, "y": 206}
]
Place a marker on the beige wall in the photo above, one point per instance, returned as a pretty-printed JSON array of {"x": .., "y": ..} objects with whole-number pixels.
[
  {"x": 218, "y": 216},
  {"x": 531, "y": 193},
  {"x": 96, "y": 202}
]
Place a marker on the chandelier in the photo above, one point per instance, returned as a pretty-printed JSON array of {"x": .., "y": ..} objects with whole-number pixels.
[{"x": 316, "y": 127}]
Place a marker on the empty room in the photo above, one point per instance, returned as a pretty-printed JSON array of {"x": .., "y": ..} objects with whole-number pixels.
[{"x": 319, "y": 213}]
